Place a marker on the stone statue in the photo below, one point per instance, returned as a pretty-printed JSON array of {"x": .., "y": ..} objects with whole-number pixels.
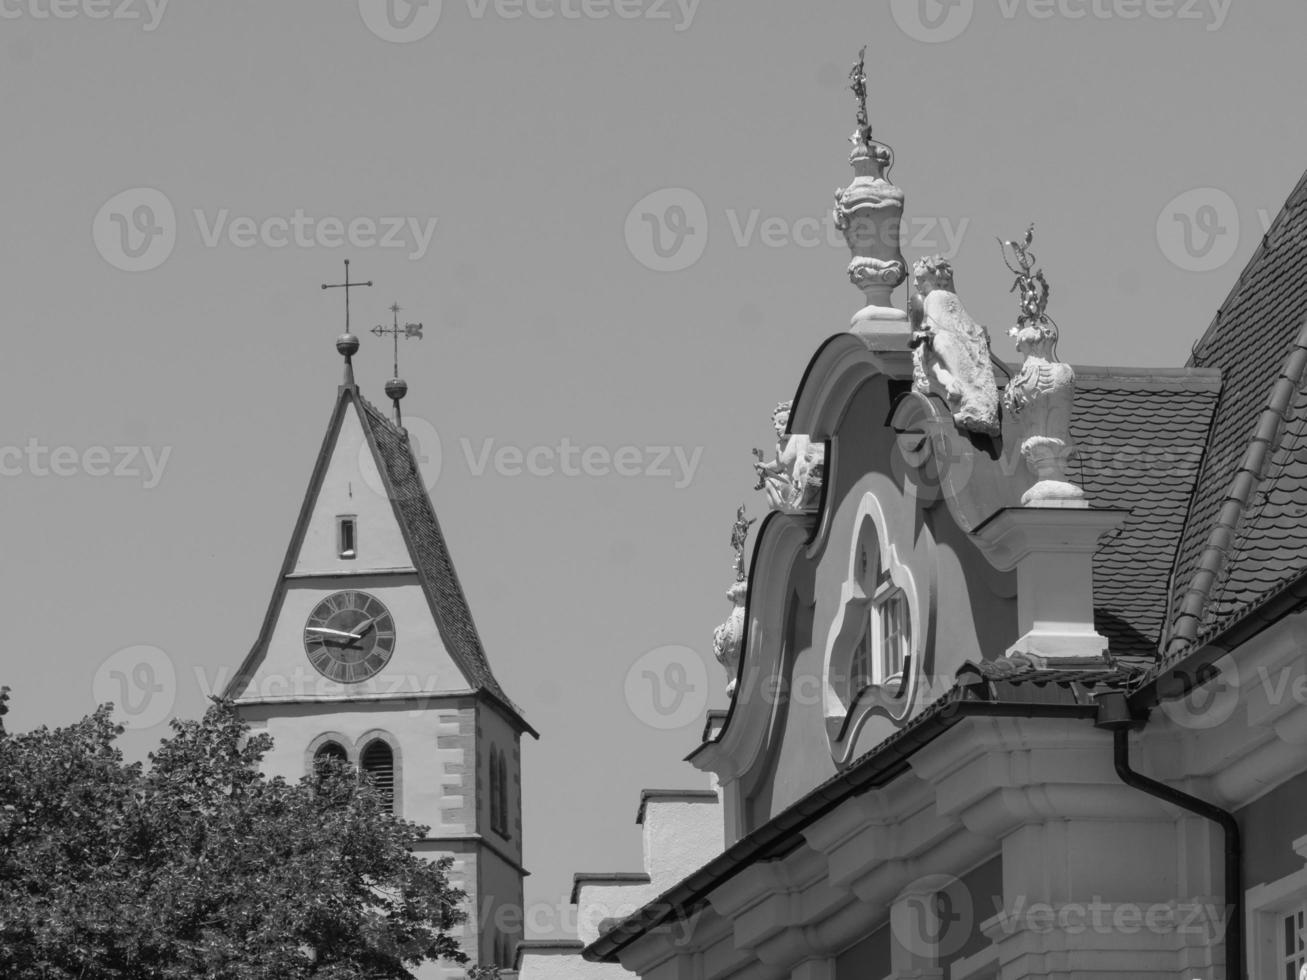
[
  {"x": 792, "y": 481},
  {"x": 1042, "y": 394},
  {"x": 951, "y": 354},
  {"x": 728, "y": 638}
]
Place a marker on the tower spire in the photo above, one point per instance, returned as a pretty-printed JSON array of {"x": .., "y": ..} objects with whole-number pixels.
[
  {"x": 347, "y": 344},
  {"x": 397, "y": 387}
]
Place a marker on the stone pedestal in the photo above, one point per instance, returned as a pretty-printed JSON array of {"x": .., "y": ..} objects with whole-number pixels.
[{"x": 1052, "y": 550}]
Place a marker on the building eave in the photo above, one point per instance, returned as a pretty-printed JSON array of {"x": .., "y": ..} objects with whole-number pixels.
[{"x": 780, "y": 835}]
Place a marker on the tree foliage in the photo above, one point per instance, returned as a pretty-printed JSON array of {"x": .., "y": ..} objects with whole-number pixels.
[{"x": 198, "y": 866}]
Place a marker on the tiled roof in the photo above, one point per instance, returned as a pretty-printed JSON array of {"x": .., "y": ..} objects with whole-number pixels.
[
  {"x": 1027, "y": 678},
  {"x": 430, "y": 552},
  {"x": 1249, "y": 341},
  {"x": 1140, "y": 437}
]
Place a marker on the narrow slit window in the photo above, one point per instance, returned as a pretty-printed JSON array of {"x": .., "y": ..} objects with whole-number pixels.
[
  {"x": 347, "y": 536},
  {"x": 494, "y": 789}
]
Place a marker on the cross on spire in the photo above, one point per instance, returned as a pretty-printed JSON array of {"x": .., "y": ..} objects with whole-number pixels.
[
  {"x": 347, "y": 286},
  {"x": 396, "y": 387}
]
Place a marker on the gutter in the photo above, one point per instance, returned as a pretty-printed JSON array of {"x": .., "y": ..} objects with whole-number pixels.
[{"x": 1194, "y": 665}]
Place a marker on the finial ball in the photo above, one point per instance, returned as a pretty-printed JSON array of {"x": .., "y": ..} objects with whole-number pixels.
[
  {"x": 347, "y": 344},
  {"x": 396, "y": 388}
]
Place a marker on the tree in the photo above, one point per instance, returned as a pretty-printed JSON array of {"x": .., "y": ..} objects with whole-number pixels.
[{"x": 201, "y": 867}]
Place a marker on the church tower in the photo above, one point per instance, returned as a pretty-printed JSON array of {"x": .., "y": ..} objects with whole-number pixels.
[{"x": 368, "y": 652}]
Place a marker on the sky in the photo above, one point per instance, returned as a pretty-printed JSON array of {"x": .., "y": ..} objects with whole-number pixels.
[{"x": 611, "y": 217}]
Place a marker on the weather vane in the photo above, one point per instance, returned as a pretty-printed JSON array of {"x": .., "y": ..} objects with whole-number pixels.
[
  {"x": 396, "y": 387},
  {"x": 410, "y": 331},
  {"x": 347, "y": 286}
]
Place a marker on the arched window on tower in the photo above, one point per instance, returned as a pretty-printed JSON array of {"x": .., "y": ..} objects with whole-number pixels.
[
  {"x": 378, "y": 761},
  {"x": 329, "y": 752}
]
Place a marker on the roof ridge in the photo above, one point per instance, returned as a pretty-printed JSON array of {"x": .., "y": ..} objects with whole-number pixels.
[
  {"x": 1257, "y": 504},
  {"x": 420, "y": 527}
]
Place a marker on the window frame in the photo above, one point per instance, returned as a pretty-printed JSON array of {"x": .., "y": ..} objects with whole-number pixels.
[
  {"x": 351, "y": 521},
  {"x": 1266, "y": 907}
]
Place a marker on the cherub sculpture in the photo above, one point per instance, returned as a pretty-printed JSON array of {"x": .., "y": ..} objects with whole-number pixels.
[
  {"x": 728, "y": 638},
  {"x": 792, "y": 481},
  {"x": 1043, "y": 392},
  {"x": 951, "y": 353}
]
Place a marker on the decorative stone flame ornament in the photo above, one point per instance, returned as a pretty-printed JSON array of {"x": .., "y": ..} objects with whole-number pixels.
[
  {"x": 792, "y": 481},
  {"x": 870, "y": 213},
  {"x": 729, "y": 636},
  {"x": 951, "y": 353},
  {"x": 1041, "y": 396}
]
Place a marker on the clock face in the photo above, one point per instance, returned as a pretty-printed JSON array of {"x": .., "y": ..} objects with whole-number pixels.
[{"x": 349, "y": 636}]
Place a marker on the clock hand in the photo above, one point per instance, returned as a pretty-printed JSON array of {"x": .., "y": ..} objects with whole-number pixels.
[
  {"x": 330, "y": 632},
  {"x": 361, "y": 630}
]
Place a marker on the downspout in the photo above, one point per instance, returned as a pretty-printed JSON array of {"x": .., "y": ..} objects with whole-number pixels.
[{"x": 1114, "y": 715}]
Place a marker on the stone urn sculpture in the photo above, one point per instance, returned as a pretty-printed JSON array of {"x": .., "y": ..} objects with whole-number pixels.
[
  {"x": 869, "y": 211},
  {"x": 1042, "y": 395}
]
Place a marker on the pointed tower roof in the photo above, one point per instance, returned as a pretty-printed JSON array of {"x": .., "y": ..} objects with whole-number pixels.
[{"x": 401, "y": 480}]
